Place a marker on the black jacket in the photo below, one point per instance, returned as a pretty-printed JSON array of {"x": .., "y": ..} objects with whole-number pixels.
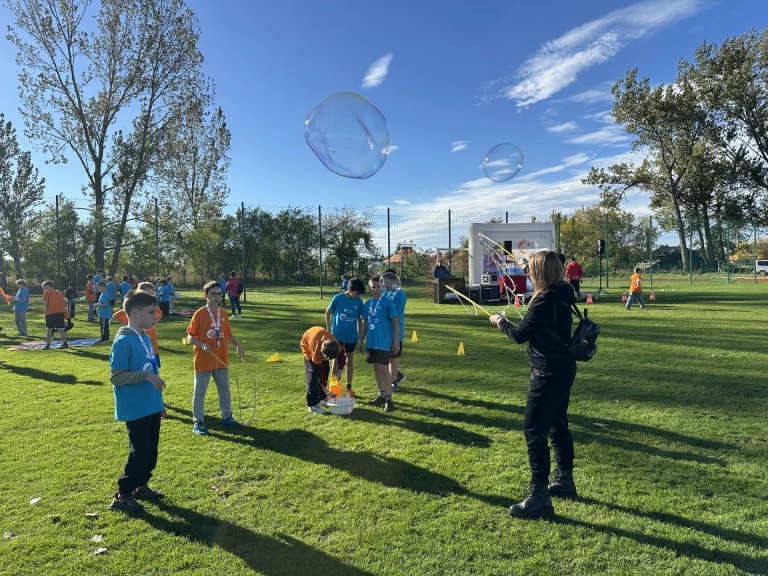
[{"x": 546, "y": 327}]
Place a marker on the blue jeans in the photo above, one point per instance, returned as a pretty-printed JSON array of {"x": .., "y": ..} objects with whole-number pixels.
[
  {"x": 235, "y": 301},
  {"x": 635, "y": 297}
]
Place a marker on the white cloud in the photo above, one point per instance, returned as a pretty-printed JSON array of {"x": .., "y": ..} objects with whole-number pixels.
[
  {"x": 401, "y": 202},
  {"x": 592, "y": 96},
  {"x": 568, "y": 161},
  {"x": 378, "y": 71},
  {"x": 389, "y": 149},
  {"x": 459, "y": 145},
  {"x": 559, "y": 62},
  {"x": 564, "y": 127},
  {"x": 604, "y": 136}
]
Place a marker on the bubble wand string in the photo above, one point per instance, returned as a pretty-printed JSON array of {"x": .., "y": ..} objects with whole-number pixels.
[
  {"x": 507, "y": 252},
  {"x": 475, "y": 304}
]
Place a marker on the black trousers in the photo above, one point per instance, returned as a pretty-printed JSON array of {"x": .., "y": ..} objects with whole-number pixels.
[
  {"x": 546, "y": 415},
  {"x": 165, "y": 308},
  {"x": 576, "y": 287},
  {"x": 104, "y": 322},
  {"x": 317, "y": 375},
  {"x": 143, "y": 438}
]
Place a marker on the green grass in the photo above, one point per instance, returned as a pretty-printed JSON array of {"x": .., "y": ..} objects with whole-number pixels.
[{"x": 669, "y": 425}]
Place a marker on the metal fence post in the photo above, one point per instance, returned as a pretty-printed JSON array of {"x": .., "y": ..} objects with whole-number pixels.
[
  {"x": 389, "y": 240},
  {"x": 242, "y": 241},
  {"x": 450, "y": 252},
  {"x": 157, "y": 239},
  {"x": 320, "y": 243}
]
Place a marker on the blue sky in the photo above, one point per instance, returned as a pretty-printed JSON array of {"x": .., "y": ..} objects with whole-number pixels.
[{"x": 452, "y": 78}]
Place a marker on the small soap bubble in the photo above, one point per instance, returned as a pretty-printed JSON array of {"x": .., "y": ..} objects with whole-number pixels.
[
  {"x": 348, "y": 134},
  {"x": 389, "y": 282},
  {"x": 502, "y": 162},
  {"x": 375, "y": 268}
]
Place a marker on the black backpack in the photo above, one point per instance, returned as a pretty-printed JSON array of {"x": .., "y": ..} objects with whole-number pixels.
[
  {"x": 240, "y": 287},
  {"x": 583, "y": 344}
]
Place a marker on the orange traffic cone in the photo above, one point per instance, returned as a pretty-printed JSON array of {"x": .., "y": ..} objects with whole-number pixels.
[
  {"x": 624, "y": 296},
  {"x": 652, "y": 296},
  {"x": 517, "y": 301},
  {"x": 589, "y": 298}
]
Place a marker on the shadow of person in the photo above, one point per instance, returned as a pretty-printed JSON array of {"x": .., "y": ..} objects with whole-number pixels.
[
  {"x": 47, "y": 376},
  {"x": 281, "y": 555}
]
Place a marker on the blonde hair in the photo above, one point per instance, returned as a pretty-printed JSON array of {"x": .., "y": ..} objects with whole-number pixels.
[{"x": 546, "y": 270}]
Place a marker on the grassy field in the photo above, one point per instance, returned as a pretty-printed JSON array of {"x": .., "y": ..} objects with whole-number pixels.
[{"x": 669, "y": 425}]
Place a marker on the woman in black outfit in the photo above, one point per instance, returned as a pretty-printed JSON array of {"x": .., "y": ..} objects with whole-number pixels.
[{"x": 547, "y": 329}]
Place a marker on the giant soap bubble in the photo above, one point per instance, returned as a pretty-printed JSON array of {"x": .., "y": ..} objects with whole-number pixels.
[
  {"x": 348, "y": 134},
  {"x": 389, "y": 282},
  {"x": 502, "y": 162}
]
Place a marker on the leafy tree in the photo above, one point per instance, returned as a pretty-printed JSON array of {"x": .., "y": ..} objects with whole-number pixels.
[
  {"x": 21, "y": 189},
  {"x": 347, "y": 237},
  {"x": 192, "y": 175},
  {"x": 669, "y": 124},
  {"x": 107, "y": 93}
]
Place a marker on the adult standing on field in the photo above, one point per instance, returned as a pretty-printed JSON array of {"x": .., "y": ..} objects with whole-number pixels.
[
  {"x": 573, "y": 273},
  {"x": 234, "y": 289},
  {"x": 546, "y": 327}
]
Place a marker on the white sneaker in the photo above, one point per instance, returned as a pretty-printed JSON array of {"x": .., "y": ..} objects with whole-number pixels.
[
  {"x": 317, "y": 409},
  {"x": 233, "y": 316},
  {"x": 239, "y": 315}
]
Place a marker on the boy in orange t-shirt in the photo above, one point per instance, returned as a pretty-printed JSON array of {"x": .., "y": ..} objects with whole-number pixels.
[
  {"x": 636, "y": 290},
  {"x": 122, "y": 317},
  {"x": 54, "y": 305},
  {"x": 318, "y": 346},
  {"x": 210, "y": 333},
  {"x": 90, "y": 297}
]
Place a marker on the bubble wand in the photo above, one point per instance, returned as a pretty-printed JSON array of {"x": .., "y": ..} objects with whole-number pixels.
[{"x": 475, "y": 304}]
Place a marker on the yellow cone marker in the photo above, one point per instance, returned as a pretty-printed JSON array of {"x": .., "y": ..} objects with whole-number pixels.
[
  {"x": 461, "y": 349},
  {"x": 184, "y": 341},
  {"x": 414, "y": 338},
  {"x": 274, "y": 358}
]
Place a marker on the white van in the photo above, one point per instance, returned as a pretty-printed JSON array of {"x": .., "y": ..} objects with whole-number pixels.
[{"x": 761, "y": 267}]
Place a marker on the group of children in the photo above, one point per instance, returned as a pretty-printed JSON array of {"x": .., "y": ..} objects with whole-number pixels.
[{"x": 377, "y": 326}]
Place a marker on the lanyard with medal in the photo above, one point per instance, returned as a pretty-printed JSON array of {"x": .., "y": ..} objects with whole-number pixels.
[
  {"x": 148, "y": 349},
  {"x": 372, "y": 316},
  {"x": 215, "y": 323}
]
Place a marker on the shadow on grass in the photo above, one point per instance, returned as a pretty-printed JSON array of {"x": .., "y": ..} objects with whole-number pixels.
[
  {"x": 587, "y": 422},
  {"x": 47, "y": 376},
  {"x": 280, "y": 556},
  {"x": 667, "y": 518},
  {"x": 739, "y": 561},
  {"x": 444, "y": 432}
]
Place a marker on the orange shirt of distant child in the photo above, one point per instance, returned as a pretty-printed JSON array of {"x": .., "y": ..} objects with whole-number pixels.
[
  {"x": 311, "y": 342},
  {"x": 634, "y": 286},
  {"x": 90, "y": 295},
  {"x": 57, "y": 304},
  {"x": 201, "y": 327},
  {"x": 122, "y": 317}
]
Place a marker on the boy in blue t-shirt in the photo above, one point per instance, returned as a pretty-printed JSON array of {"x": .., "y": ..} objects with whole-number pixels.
[
  {"x": 111, "y": 290},
  {"x": 138, "y": 391},
  {"x": 125, "y": 287},
  {"x": 105, "y": 310},
  {"x": 163, "y": 296},
  {"x": 343, "y": 320},
  {"x": 393, "y": 291},
  {"x": 171, "y": 295},
  {"x": 380, "y": 330},
  {"x": 20, "y": 307}
]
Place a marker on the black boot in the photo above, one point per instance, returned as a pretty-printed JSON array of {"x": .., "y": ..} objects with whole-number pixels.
[
  {"x": 536, "y": 505},
  {"x": 563, "y": 484}
]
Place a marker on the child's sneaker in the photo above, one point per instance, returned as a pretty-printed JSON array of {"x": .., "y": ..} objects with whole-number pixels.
[
  {"x": 233, "y": 316},
  {"x": 65, "y": 345},
  {"x": 351, "y": 393},
  {"x": 126, "y": 504},
  {"x": 317, "y": 409},
  {"x": 395, "y": 387},
  {"x": 378, "y": 401},
  {"x": 230, "y": 422},
  {"x": 389, "y": 406},
  {"x": 400, "y": 377},
  {"x": 147, "y": 493},
  {"x": 199, "y": 429},
  {"x": 47, "y": 347}
]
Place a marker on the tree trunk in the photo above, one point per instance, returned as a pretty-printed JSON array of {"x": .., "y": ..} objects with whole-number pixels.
[
  {"x": 680, "y": 231},
  {"x": 710, "y": 244}
]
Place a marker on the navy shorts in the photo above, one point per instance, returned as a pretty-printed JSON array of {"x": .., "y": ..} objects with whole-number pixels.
[
  {"x": 55, "y": 320},
  {"x": 378, "y": 356}
]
